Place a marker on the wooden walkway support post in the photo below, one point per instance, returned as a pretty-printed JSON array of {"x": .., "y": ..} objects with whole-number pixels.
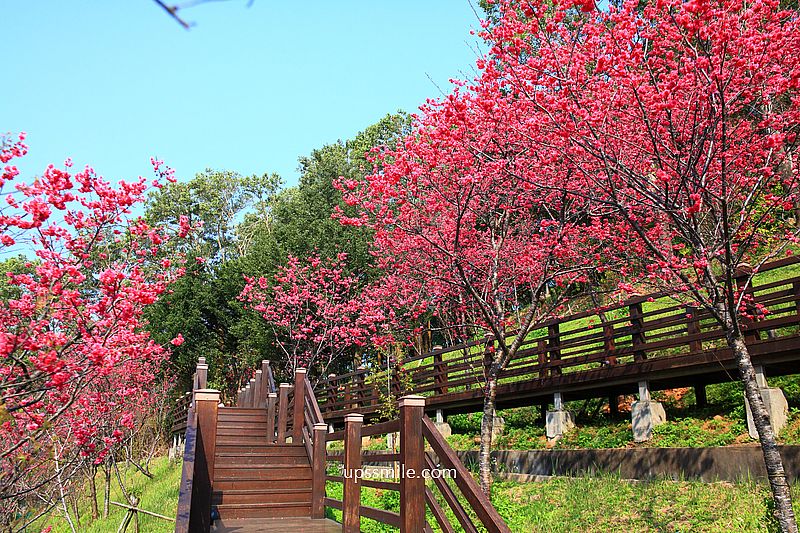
[
  {"x": 298, "y": 417},
  {"x": 318, "y": 471},
  {"x": 412, "y": 462},
  {"x": 351, "y": 498},
  {"x": 283, "y": 408}
]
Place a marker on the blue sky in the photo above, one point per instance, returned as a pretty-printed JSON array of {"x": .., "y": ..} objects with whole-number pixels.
[{"x": 110, "y": 83}]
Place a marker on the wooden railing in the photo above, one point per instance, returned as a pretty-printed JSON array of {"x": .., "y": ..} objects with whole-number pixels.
[
  {"x": 256, "y": 392},
  {"x": 194, "y": 500},
  {"x": 642, "y": 329},
  {"x": 180, "y": 411},
  {"x": 460, "y": 493}
]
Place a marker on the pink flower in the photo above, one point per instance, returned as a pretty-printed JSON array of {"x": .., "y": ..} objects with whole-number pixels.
[{"x": 177, "y": 341}]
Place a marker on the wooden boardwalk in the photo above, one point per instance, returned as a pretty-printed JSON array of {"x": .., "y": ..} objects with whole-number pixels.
[
  {"x": 275, "y": 525},
  {"x": 654, "y": 338}
]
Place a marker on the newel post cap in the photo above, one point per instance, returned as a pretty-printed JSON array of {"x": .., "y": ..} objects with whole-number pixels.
[
  {"x": 354, "y": 417},
  {"x": 412, "y": 401},
  {"x": 206, "y": 394}
]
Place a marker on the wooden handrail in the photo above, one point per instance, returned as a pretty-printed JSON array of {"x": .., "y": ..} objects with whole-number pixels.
[
  {"x": 479, "y": 502},
  {"x": 183, "y": 521},
  {"x": 415, "y": 430}
]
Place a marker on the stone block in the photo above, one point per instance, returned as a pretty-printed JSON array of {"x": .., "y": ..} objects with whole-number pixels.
[
  {"x": 558, "y": 422},
  {"x": 645, "y": 415},
  {"x": 777, "y": 407}
]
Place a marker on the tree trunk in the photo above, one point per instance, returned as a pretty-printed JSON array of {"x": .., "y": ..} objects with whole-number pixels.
[
  {"x": 93, "y": 492},
  {"x": 487, "y": 426},
  {"x": 781, "y": 494},
  {"x": 107, "y": 489}
]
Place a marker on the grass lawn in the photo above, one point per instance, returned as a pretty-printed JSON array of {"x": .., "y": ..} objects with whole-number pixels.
[
  {"x": 608, "y": 504},
  {"x": 603, "y": 503},
  {"x": 159, "y": 495}
]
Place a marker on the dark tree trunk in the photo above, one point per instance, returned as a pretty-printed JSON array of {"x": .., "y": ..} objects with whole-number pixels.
[
  {"x": 487, "y": 426},
  {"x": 93, "y": 492},
  {"x": 781, "y": 494}
]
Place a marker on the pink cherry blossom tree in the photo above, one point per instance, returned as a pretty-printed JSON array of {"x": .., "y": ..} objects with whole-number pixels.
[
  {"x": 681, "y": 118},
  {"x": 456, "y": 219},
  {"x": 312, "y": 306},
  {"x": 75, "y": 361}
]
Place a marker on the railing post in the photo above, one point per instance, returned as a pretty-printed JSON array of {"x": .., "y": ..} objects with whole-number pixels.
[
  {"x": 636, "y": 315},
  {"x": 693, "y": 328},
  {"x": 412, "y": 463},
  {"x": 272, "y": 400},
  {"x": 283, "y": 408},
  {"x": 360, "y": 379},
  {"x": 554, "y": 343},
  {"x": 299, "y": 405},
  {"x": 240, "y": 398},
  {"x": 266, "y": 378},
  {"x": 541, "y": 348},
  {"x": 202, "y": 373},
  {"x": 251, "y": 398},
  {"x": 796, "y": 295},
  {"x": 331, "y": 389},
  {"x": 318, "y": 471},
  {"x": 351, "y": 499},
  {"x": 440, "y": 368},
  {"x": 206, "y": 405},
  {"x": 258, "y": 400},
  {"x": 609, "y": 344}
]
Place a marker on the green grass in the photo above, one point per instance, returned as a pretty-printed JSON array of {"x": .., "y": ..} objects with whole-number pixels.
[
  {"x": 607, "y": 504},
  {"x": 159, "y": 495}
]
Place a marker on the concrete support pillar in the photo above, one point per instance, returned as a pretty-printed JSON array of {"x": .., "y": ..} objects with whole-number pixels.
[
  {"x": 774, "y": 401},
  {"x": 646, "y": 414},
  {"x": 558, "y": 421},
  {"x": 442, "y": 425}
]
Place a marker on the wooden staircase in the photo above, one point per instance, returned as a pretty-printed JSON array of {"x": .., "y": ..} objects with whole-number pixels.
[
  {"x": 254, "y": 478},
  {"x": 263, "y": 465}
]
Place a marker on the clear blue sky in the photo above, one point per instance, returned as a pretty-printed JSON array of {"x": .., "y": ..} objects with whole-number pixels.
[{"x": 110, "y": 83}]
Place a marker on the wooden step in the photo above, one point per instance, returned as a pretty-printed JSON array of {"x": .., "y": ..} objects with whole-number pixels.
[
  {"x": 235, "y": 424},
  {"x": 241, "y": 440},
  {"x": 224, "y": 485},
  {"x": 263, "y": 472},
  {"x": 264, "y": 510},
  {"x": 261, "y": 450},
  {"x": 249, "y": 431},
  {"x": 284, "y": 495},
  {"x": 228, "y": 461},
  {"x": 247, "y": 419}
]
